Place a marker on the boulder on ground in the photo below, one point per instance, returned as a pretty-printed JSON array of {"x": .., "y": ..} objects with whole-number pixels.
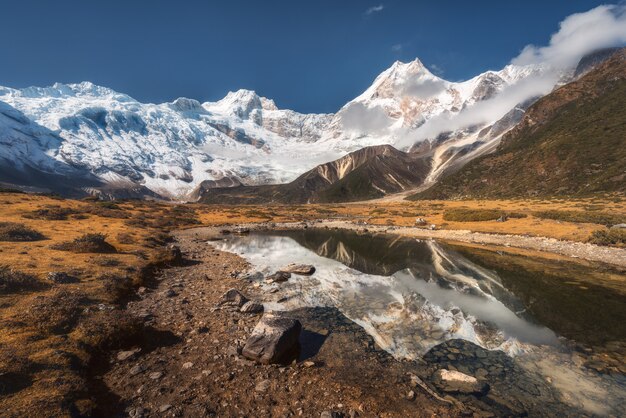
[
  {"x": 420, "y": 222},
  {"x": 619, "y": 226},
  {"x": 251, "y": 307},
  {"x": 241, "y": 230},
  {"x": 302, "y": 269},
  {"x": 273, "y": 340},
  {"x": 233, "y": 297},
  {"x": 451, "y": 381}
]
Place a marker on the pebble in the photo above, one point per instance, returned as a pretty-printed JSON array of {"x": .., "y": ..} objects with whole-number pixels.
[
  {"x": 165, "y": 408},
  {"x": 262, "y": 386},
  {"x": 188, "y": 365},
  {"x": 155, "y": 375},
  {"x": 136, "y": 369}
]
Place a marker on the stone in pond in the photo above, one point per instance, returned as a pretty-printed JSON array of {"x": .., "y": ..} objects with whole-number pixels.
[
  {"x": 302, "y": 269},
  {"x": 273, "y": 340},
  {"x": 278, "y": 277}
]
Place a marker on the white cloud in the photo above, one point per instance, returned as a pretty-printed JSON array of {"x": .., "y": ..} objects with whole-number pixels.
[
  {"x": 578, "y": 35},
  {"x": 486, "y": 111},
  {"x": 396, "y": 48},
  {"x": 375, "y": 9},
  {"x": 360, "y": 119},
  {"x": 435, "y": 69}
]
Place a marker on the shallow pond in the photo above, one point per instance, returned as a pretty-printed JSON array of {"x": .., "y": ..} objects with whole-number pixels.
[{"x": 411, "y": 296}]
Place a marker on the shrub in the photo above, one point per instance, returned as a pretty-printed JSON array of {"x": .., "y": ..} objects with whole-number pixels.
[
  {"x": 601, "y": 218},
  {"x": 15, "y": 370},
  {"x": 109, "y": 330},
  {"x": 15, "y": 281},
  {"x": 57, "y": 312},
  {"x": 107, "y": 262},
  {"x": 107, "y": 210},
  {"x": 16, "y": 232},
  {"x": 50, "y": 213},
  {"x": 609, "y": 237},
  {"x": 116, "y": 287},
  {"x": 478, "y": 215},
  {"x": 88, "y": 243},
  {"x": 125, "y": 238}
]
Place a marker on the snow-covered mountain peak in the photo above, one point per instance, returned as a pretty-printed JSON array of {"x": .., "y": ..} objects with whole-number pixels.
[
  {"x": 171, "y": 148},
  {"x": 399, "y": 80},
  {"x": 183, "y": 104},
  {"x": 241, "y": 103},
  {"x": 84, "y": 89}
]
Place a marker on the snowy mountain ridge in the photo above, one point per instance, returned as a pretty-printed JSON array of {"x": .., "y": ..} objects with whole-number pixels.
[{"x": 92, "y": 132}]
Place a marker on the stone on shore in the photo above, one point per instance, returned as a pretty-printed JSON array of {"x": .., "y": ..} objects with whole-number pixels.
[
  {"x": 273, "y": 339},
  {"x": 251, "y": 307},
  {"x": 233, "y": 297}
]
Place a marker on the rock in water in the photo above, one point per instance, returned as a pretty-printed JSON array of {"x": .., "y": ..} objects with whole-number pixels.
[
  {"x": 278, "y": 277},
  {"x": 251, "y": 307},
  {"x": 233, "y": 297},
  {"x": 273, "y": 339},
  {"x": 303, "y": 269},
  {"x": 456, "y": 382}
]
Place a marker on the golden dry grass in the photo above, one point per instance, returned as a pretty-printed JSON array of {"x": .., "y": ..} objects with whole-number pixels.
[
  {"x": 52, "y": 365},
  {"x": 405, "y": 213},
  {"x": 51, "y": 380}
]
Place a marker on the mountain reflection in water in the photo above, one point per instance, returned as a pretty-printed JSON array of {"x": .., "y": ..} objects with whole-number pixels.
[{"x": 409, "y": 295}]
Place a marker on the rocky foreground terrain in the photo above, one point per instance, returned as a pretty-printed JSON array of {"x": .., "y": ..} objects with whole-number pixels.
[
  {"x": 194, "y": 365},
  {"x": 202, "y": 359}
]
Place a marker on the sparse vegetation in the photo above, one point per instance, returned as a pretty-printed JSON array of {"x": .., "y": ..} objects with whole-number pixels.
[
  {"x": 57, "y": 312},
  {"x": 116, "y": 287},
  {"x": 16, "y": 281},
  {"x": 478, "y": 215},
  {"x": 16, "y": 232},
  {"x": 50, "y": 213},
  {"x": 609, "y": 237},
  {"x": 88, "y": 243},
  {"x": 107, "y": 330},
  {"x": 600, "y": 218}
]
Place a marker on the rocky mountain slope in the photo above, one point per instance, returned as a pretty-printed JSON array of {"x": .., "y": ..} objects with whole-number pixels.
[
  {"x": 368, "y": 173},
  {"x": 109, "y": 143},
  {"x": 571, "y": 142}
]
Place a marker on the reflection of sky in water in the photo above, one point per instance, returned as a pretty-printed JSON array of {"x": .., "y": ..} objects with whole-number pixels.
[
  {"x": 405, "y": 313},
  {"x": 420, "y": 306}
]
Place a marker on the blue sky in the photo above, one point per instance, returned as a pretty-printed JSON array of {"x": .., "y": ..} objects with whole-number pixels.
[{"x": 311, "y": 56}]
